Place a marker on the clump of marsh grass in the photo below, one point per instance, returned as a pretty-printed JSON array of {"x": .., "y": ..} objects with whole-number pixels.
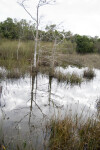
[
  {"x": 74, "y": 134},
  {"x": 13, "y": 75},
  {"x": 61, "y": 77},
  {"x": 89, "y": 74},
  {"x": 69, "y": 78},
  {"x": 75, "y": 78}
]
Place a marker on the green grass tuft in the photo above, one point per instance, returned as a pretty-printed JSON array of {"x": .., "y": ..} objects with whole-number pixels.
[
  {"x": 69, "y": 78},
  {"x": 89, "y": 74}
]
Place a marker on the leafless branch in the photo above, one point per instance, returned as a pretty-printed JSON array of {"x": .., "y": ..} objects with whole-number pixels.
[
  {"x": 45, "y": 2},
  {"x": 23, "y": 5}
]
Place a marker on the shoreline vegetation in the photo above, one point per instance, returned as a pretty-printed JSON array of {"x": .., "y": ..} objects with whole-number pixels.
[
  {"x": 72, "y": 132},
  {"x": 8, "y": 52},
  {"x": 75, "y": 133},
  {"x": 17, "y": 68}
]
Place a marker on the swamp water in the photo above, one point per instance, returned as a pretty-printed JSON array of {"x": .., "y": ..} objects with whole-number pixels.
[{"x": 27, "y": 105}]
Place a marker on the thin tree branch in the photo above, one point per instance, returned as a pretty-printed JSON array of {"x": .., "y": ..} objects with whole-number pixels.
[
  {"x": 22, "y": 5},
  {"x": 45, "y": 2}
]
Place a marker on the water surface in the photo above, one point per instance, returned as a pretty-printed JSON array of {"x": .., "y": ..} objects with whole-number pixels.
[{"x": 28, "y": 103}]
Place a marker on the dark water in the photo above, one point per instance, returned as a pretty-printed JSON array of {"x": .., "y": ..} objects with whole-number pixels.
[{"x": 27, "y": 104}]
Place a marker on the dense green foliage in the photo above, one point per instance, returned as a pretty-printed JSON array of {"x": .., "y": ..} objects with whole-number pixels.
[
  {"x": 84, "y": 44},
  {"x": 14, "y": 29}
]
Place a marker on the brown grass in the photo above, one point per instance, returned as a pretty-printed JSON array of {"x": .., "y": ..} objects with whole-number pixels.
[
  {"x": 75, "y": 134},
  {"x": 88, "y": 60},
  {"x": 8, "y": 50}
]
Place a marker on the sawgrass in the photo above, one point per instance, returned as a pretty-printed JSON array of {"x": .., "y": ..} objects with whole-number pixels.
[{"x": 73, "y": 133}]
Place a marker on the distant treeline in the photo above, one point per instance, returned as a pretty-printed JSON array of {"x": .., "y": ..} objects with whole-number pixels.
[{"x": 14, "y": 29}]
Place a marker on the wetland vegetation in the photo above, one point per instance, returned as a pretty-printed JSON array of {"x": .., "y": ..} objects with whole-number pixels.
[{"x": 53, "y": 105}]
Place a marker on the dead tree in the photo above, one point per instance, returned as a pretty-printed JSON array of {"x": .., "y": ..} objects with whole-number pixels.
[{"x": 36, "y": 19}]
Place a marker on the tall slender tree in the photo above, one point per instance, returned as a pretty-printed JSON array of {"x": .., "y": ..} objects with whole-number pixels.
[{"x": 36, "y": 19}]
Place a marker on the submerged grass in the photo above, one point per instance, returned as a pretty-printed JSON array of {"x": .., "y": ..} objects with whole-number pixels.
[
  {"x": 75, "y": 134},
  {"x": 19, "y": 145}
]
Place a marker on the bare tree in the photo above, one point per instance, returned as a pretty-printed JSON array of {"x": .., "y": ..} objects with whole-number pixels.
[
  {"x": 36, "y": 19},
  {"x": 57, "y": 41}
]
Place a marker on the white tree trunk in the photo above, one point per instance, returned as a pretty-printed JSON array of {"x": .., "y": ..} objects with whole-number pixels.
[
  {"x": 40, "y": 4},
  {"x": 36, "y": 39},
  {"x": 53, "y": 54}
]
